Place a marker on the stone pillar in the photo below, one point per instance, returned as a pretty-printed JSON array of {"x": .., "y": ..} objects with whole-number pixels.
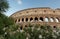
[
  {"x": 33, "y": 19},
  {"x": 38, "y": 19},
  {"x": 54, "y": 19},
  {"x": 24, "y": 19},
  {"x": 28, "y": 19},
  {"x": 49, "y": 19},
  {"x": 43, "y": 19},
  {"x": 16, "y": 20},
  {"x": 21, "y": 20}
]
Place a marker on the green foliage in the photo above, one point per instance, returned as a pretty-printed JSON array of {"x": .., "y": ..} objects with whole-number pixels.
[
  {"x": 3, "y": 6},
  {"x": 4, "y": 22},
  {"x": 32, "y": 32},
  {"x": 42, "y": 32}
]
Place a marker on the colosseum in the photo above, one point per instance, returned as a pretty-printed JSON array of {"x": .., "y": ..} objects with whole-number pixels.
[{"x": 40, "y": 15}]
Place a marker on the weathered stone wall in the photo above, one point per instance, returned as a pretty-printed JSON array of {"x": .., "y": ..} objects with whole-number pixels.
[{"x": 44, "y": 15}]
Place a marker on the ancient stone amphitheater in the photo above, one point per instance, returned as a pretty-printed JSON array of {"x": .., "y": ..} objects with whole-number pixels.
[{"x": 42, "y": 15}]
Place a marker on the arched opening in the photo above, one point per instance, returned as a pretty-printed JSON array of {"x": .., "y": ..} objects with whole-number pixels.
[
  {"x": 26, "y": 19},
  {"x": 53, "y": 11},
  {"x": 56, "y": 19},
  {"x": 35, "y": 11},
  {"x": 21, "y": 27},
  {"x": 22, "y": 19},
  {"x": 51, "y": 19},
  {"x": 31, "y": 19},
  {"x": 36, "y": 19},
  {"x": 18, "y": 20},
  {"x": 26, "y": 26},
  {"x": 54, "y": 26},
  {"x": 41, "y": 18},
  {"x": 46, "y": 19},
  {"x": 44, "y": 10}
]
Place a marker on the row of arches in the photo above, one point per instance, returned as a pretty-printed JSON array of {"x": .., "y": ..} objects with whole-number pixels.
[
  {"x": 21, "y": 27},
  {"x": 51, "y": 19},
  {"x": 41, "y": 19}
]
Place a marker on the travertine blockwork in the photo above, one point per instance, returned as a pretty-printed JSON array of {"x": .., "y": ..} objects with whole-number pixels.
[{"x": 42, "y": 15}]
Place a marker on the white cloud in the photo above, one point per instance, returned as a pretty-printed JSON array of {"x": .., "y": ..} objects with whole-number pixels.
[{"x": 19, "y": 1}]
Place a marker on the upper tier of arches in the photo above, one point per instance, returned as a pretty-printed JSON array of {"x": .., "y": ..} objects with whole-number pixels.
[
  {"x": 41, "y": 10},
  {"x": 38, "y": 19}
]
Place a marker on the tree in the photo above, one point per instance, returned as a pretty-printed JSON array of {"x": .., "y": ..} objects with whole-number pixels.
[
  {"x": 3, "y": 6},
  {"x": 3, "y": 19},
  {"x": 4, "y": 22},
  {"x": 12, "y": 32},
  {"x": 42, "y": 32},
  {"x": 33, "y": 32}
]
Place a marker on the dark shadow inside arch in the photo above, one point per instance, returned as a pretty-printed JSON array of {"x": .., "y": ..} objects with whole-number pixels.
[
  {"x": 22, "y": 19},
  {"x": 18, "y": 20},
  {"x": 31, "y": 19},
  {"x": 41, "y": 18},
  {"x": 54, "y": 26},
  {"x": 36, "y": 19},
  {"x": 26, "y": 26},
  {"x": 21, "y": 27},
  {"x": 26, "y": 19}
]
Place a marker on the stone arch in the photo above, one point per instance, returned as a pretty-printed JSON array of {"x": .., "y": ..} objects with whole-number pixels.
[
  {"x": 51, "y": 19},
  {"x": 15, "y": 20},
  {"x": 57, "y": 19},
  {"x": 54, "y": 26},
  {"x": 46, "y": 19},
  {"x": 18, "y": 20},
  {"x": 31, "y": 19},
  {"x": 26, "y": 26},
  {"x": 36, "y": 19},
  {"x": 22, "y": 19},
  {"x": 21, "y": 27},
  {"x": 26, "y": 19},
  {"x": 41, "y": 19}
]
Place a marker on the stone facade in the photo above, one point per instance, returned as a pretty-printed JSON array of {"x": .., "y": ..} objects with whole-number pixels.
[{"x": 42, "y": 15}]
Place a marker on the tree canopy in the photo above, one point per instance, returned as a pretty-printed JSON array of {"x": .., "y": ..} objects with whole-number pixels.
[
  {"x": 3, "y": 6},
  {"x": 32, "y": 32}
]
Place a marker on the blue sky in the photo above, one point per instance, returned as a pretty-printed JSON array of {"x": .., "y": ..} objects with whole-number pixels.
[{"x": 16, "y": 5}]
